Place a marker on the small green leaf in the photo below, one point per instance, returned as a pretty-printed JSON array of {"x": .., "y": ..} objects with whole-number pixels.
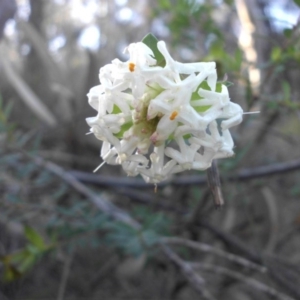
[
  {"x": 276, "y": 54},
  {"x": 16, "y": 257},
  {"x": 288, "y": 32},
  {"x": 11, "y": 273},
  {"x": 150, "y": 237},
  {"x": 217, "y": 50},
  {"x": 27, "y": 263},
  {"x": 238, "y": 59},
  {"x": 151, "y": 41},
  {"x": 297, "y": 2},
  {"x": 228, "y": 83},
  {"x": 34, "y": 238},
  {"x": 165, "y": 4}
]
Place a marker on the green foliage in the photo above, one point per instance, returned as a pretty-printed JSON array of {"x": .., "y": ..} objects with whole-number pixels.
[
  {"x": 283, "y": 99},
  {"x": 157, "y": 221},
  {"x": 35, "y": 239},
  {"x": 281, "y": 55},
  {"x": 226, "y": 63},
  {"x": 276, "y": 54},
  {"x": 137, "y": 241},
  {"x": 297, "y": 2},
  {"x": 73, "y": 222},
  {"x": 289, "y": 51},
  {"x": 151, "y": 41},
  {"x": 288, "y": 32},
  {"x": 36, "y": 197},
  {"x": 187, "y": 14},
  {"x": 21, "y": 261}
]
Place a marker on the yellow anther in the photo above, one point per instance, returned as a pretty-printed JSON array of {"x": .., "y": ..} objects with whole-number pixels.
[
  {"x": 131, "y": 66},
  {"x": 173, "y": 115}
]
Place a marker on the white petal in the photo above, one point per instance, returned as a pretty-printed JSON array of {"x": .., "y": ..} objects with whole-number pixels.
[
  {"x": 234, "y": 113},
  {"x": 212, "y": 80},
  {"x": 105, "y": 148},
  {"x": 165, "y": 127}
]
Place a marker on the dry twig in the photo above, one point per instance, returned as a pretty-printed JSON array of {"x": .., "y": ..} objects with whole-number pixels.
[
  {"x": 207, "y": 248},
  {"x": 26, "y": 94},
  {"x": 102, "y": 204},
  {"x": 120, "y": 215},
  {"x": 195, "y": 279},
  {"x": 243, "y": 174},
  {"x": 238, "y": 276},
  {"x": 65, "y": 276},
  {"x": 213, "y": 179}
]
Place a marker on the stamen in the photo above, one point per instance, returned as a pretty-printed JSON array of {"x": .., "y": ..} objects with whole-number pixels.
[
  {"x": 131, "y": 66},
  {"x": 173, "y": 115},
  {"x": 251, "y": 112},
  {"x": 99, "y": 167}
]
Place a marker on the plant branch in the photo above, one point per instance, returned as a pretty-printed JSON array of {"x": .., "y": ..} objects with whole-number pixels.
[
  {"x": 213, "y": 180},
  {"x": 101, "y": 203},
  {"x": 207, "y": 248},
  {"x": 194, "y": 279},
  {"x": 120, "y": 215},
  {"x": 25, "y": 92},
  {"x": 243, "y": 174},
  {"x": 238, "y": 276}
]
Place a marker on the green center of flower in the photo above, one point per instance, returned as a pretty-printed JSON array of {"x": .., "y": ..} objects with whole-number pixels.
[
  {"x": 139, "y": 125},
  {"x": 143, "y": 127}
]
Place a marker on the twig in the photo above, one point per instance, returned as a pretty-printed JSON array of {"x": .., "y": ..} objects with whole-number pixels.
[
  {"x": 238, "y": 276},
  {"x": 244, "y": 174},
  {"x": 256, "y": 257},
  {"x": 285, "y": 273},
  {"x": 270, "y": 200},
  {"x": 64, "y": 277},
  {"x": 103, "y": 270},
  {"x": 213, "y": 179},
  {"x": 194, "y": 279},
  {"x": 2, "y": 296},
  {"x": 102, "y": 204},
  {"x": 207, "y": 248},
  {"x": 40, "y": 46},
  {"x": 232, "y": 241},
  {"x": 25, "y": 92},
  {"x": 120, "y": 215}
]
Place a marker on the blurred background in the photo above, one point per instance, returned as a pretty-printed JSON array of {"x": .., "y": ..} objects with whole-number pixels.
[{"x": 57, "y": 238}]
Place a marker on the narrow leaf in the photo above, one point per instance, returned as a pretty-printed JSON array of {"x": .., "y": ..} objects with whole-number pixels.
[
  {"x": 34, "y": 238},
  {"x": 151, "y": 41}
]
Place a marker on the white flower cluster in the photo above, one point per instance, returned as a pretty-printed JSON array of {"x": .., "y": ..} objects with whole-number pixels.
[{"x": 160, "y": 120}]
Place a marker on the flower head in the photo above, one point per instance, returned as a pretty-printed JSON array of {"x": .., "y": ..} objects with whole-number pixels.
[{"x": 158, "y": 118}]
